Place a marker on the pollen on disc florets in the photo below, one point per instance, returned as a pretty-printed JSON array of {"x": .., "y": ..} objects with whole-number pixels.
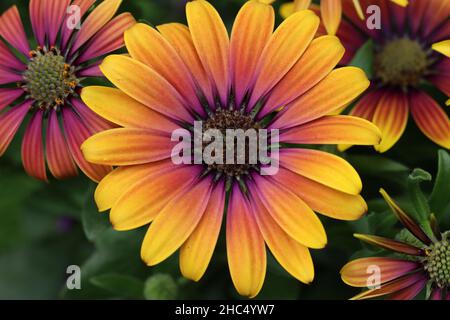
[
  {"x": 49, "y": 80},
  {"x": 223, "y": 119},
  {"x": 401, "y": 62},
  {"x": 437, "y": 262}
]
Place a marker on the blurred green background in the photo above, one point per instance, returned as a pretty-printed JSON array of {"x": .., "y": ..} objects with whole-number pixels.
[{"x": 44, "y": 228}]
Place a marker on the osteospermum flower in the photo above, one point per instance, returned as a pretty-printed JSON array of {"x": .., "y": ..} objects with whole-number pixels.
[
  {"x": 331, "y": 11},
  {"x": 403, "y": 62},
  {"x": 178, "y": 74},
  {"x": 44, "y": 82},
  {"x": 403, "y": 277}
]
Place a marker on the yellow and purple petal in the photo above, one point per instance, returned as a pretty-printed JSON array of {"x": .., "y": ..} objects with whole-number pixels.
[
  {"x": 357, "y": 273},
  {"x": 196, "y": 252},
  {"x": 246, "y": 250},
  {"x": 176, "y": 222},
  {"x": 389, "y": 244}
]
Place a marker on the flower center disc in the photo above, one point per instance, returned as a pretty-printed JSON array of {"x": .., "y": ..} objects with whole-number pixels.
[
  {"x": 401, "y": 62},
  {"x": 438, "y": 262},
  {"x": 231, "y": 119},
  {"x": 49, "y": 80}
]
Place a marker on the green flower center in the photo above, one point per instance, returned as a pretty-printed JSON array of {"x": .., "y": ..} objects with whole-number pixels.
[
  {"x": 222, "y": 120},
  {"x": 437, "y": 262},
  {"x": 49, "y": 80},
  {"x": 401, "y": 62}
]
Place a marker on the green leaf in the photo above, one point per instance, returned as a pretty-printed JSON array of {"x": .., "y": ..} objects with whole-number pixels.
[
  {"x": 17, "y": 187},
  {"x": 364, "y": 58},
  {"x": 440, "y": 197},
  {"x": 160, "y": 287},
  {"x": 419, "y": 200},
  {"x": 379, "y": 171},
  {"x": 374, "y": 165},
  {"x": 123, "y": 286},
  {"x": 94, "y": 223},
  {"x": 115, "y": 253}
]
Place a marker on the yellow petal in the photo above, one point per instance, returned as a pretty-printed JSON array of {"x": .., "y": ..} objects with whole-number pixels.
[
  {"x": 402, "y": 3},
  {"x": 101, "y": 15},
  {"x": 334, "y": 130},
  {"x": 291, "y": 213},
  {"x": 145, "y": 198},
  {"x": 116, "y": 183},
  {"x": 287, "y": 9},
  {"x": 442, "y": 47},
  {"x": 196, "y": 252},
  {"x": 251, "y": 32},
  {"x": 292, "y": 256},
  {"x": 324, "y": 168},
  {"x": 180, "y": 38},
  {"x": 212, "y": 43},
  {"x": 245, "y": 247},
  {"x": 358, "y": 9},
  {"x": 391, "y": 116},
  {"x": 431, "y": 119},
  {"x": 331, "y": 11},
  {"x": 147, "y": 45},
  {"x": 175, "y": 223},
  {"x": 283, "y": 50},
  {"x": 317, "y": 62},
  {"x": 115, "y": 106},
  {"x": 323, "y": 199},
  {"x": 339, "y": 88},
  {"x": 357, "y": 273},
  {"x": 145, "y": 85},
  {"x": 124, "y": 147}
]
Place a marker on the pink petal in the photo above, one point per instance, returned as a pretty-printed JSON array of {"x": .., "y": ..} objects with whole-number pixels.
[
  {"x": 410, "y": 292},
  {"x": 108, "y": 39},
  {"x": 53, "y": 14},
  {"x": 33, "y": 148},
  {"x": 10, "y": 122},
  {"x": 59, "y": 160},
  {"x": 8, "y": 59},
  {"x": 66, "y": 32},
  {"x": 441, "y": 34},
  {"x": 94, "y": 122},
  {"x": 8, "y": 96},
  {"x": 437, "y": 11},
  {"x": 37, "y": 21},
  {"x": 416, "y": 11},
  {"x": 351, "y": 14},
  {"x": 8, "y": 76},
  {"x": 430, "y": 118},
  {"x": 436, "y": 294},
  {"x": 103, "y": 13},
  {"x": 393, "y": 286},
  {"x": 77, "y": 133},
  {"x": 91, "y": 71},
  {"x": 355, "y": 273},
  {"x": 11, "y": 29},
  {"x": 399, "y": 15},
  {"x": 351, "y": 38}
]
